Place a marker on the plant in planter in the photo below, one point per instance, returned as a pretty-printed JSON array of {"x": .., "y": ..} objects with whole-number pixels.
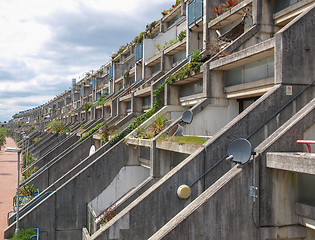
[
  {"x": 106, "y": 132},
  {"x": 107, "y": 215},
  {"x": 87, "y": 106},
  {"x": 181, "y": 35},
  {"x": 23, "y": 234},
  {"x": 159, "y": 124},
  {"x": 228, "y": 4},
  {"x": 56, "y": 126}
]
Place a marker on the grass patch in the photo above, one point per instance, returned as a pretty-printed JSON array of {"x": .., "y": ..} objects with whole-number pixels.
[{"x": 184, "y": 140}]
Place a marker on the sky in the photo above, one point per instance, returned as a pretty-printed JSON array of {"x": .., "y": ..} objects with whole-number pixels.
[{"x": 44, "y": 44}]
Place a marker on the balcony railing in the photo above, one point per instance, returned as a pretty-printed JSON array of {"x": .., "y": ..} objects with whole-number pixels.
[
  {"x": 195, "y": 11},
  {"x": 139, "y": 52},
  {"x": 111, "y": 72}
]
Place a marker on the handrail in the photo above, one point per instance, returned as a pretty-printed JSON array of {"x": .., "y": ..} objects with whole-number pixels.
[
  {"x": 36, "y": 200},
  {"x": 9, "y": 216},
  {"x": 21, "y": 196},
  {"x": 35, "y": 235},
  {"x": 276, "y": 113},
  {"x": 33, "y": 176},
  {"x": 215, "y": 164}
]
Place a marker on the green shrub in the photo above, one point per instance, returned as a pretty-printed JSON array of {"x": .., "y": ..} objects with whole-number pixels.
[
  {"x": 28, "y": 160},
  {"x": 56, "y": 126},
  {"x": 87, "y": 106},
  {"x": 3, "y": 134},
  {"x": 23, "y": 234},
  {"x": 182, "y": 35},
  {"x": 92, "y": 131}
]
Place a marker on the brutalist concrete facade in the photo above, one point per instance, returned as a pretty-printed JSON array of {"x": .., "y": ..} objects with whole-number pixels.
[{"x": 256, "y": 82}]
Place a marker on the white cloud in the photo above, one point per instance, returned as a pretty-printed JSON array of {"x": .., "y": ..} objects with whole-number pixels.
[{"x": 44, "y": 44}]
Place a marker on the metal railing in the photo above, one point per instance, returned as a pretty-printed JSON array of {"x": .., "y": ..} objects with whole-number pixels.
[
  {"x": 195, "y": 11},
  {"x": 35, "y": 236}
]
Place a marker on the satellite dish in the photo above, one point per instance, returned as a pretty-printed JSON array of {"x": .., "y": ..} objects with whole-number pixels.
[
  {"x": 239, "y": 151},
  {"x": 187, "y": 116},
  {"x": 92, "y": 150},
  {"x": 179, "y": 130}
]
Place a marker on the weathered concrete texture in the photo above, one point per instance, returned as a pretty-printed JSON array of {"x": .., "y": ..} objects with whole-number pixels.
[
  {"x": 67, "y": 176},
  {"x": 273, "y": 182},
  {"x": 294, "y": 162},
  {"x": 43, "y": 142},
  {"x": 56, "y": 168},
  {"x": 294, "y": 45},
  {"x": 43, "y": 217},
  {"x": 163, "y": 192},
  {"x": 223, "y": 211},
  {"x": 64, "y": 210},
  {"x": 60, "y": 148},
  {"x": 49, "y": 145}
]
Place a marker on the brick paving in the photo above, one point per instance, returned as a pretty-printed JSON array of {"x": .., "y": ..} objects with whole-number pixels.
[{"x": 8, "y": 182}]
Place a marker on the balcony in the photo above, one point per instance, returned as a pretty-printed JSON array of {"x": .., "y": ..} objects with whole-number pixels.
[
  {"x": 231, "y": 16},
  {"x": 139, "y": 52},
  {"x": 195, "y": 12},
  {"x": 286, "y": 10}
]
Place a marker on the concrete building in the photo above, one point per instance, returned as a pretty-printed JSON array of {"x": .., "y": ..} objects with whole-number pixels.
[{"x": 244, "y": 70}]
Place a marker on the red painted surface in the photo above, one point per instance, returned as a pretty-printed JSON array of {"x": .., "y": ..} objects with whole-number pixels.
[
  {"x": 8, "y": 182},
  {"x": 308, "y": 144}
]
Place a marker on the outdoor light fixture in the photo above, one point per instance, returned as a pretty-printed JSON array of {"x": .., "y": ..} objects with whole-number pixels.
[{"x": 17, "y": 150}]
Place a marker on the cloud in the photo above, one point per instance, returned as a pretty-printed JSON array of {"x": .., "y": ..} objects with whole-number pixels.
[{"x": 44, "y": 44}]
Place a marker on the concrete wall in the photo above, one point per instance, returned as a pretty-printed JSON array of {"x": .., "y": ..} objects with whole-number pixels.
[
  {"x": 210, "y": 120},
  {"x": 128, "y": 177},
  {"x": 294, "y": 45},
  {"x": 226, "y": 211},
  {"x": 164, "y": 192},
  {"x": 149, "y": 44},
  {"x": 286, "y": 137},
  {"x": 50, "y": 145},
  {"x": 53, "y": 186},
  {"x": 56, "y": 168},
  {"x": 55, "y": 151},
  {"x": 63, "y": 214}
]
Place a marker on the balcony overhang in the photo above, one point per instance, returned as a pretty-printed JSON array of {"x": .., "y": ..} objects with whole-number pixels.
[
  {"x": 154, "y": 60},
  {"x": 254, "y": 53},
  {"x": 172, "y": 14},
  {"x": 294, "y": 162},
  {"x": 190, "y": 79},
  {"x": 250, "y": 89},
  {"x": 196, "y": 26},
  {"x": 126, "y": 98},
  {"x": 119, "y": 80},
  {"x": 143, "y": 92},
  {"x": 231, "y": 16},
  {"x": 177, "y": 47},
  {"x": 284, "y": 16}
]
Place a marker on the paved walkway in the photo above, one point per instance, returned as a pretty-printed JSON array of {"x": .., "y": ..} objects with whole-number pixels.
[{"x": 8, "y": 182}]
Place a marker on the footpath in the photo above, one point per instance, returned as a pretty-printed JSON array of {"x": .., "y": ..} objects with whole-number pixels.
[{"x": 8, "y": 182}]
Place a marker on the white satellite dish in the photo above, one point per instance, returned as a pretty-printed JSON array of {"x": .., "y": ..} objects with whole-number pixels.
[{"x": 92, "y": 150}]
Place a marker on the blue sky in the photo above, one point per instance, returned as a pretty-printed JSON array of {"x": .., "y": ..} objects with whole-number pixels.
[{"x": 44, "y": 44}]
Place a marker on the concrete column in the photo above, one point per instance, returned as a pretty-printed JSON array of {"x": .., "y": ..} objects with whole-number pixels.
[
  {"x": 168, "y": 60},
  {"x": 171, "y": 95},
  {"x": 206, "y": 19},
  {"x": 154, "y": 164},
  {"x": 216, "y": 85},
  {"x": 206, "y": 80},
  {"x": 147, "y": 72}
]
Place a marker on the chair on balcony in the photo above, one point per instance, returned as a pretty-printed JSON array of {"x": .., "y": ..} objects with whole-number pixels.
[{"x": 234, "y": 32}]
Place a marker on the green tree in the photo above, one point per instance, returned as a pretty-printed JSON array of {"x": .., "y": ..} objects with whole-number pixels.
[{"x": 3, "y": 134}]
